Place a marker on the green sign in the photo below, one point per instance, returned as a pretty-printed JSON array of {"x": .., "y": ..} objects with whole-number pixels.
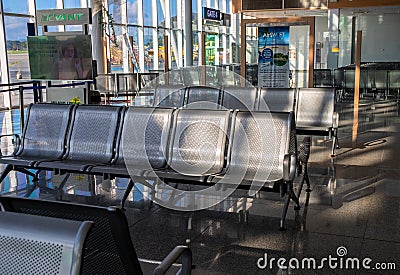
[{"x": 55, "y": 17}]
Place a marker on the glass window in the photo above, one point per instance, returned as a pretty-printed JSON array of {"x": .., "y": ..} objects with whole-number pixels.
[
  {"x": 174, "y": 13},
  {"x": 228, "y": 7},
  {"x": 148, "y": 49},
  {"x": 132, "y": 11},
  {"x": 17, "y": 49},
  {"x": 174, "y": 54},
  {"x": 160, "y": 14},
  {"x": 161, "y": 49},
  {"x": 147, "y": 13},
  {"x": 114, "y": 10},
  {"x": 195, "y": 14},
  {"x": 13, "y": 6},
  {"x": 70, "y": 4},
  {"x": 195, "y": 49},
  {"x": 45, "y": 4},
  {"x": 133, "y": 33}
]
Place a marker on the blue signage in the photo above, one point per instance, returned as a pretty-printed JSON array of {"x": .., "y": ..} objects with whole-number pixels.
[{"x": 211, "y": 14}]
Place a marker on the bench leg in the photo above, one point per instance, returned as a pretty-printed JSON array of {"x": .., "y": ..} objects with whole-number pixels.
[
  {"x": 128, "y": 190},
  {"x": 335, "y": 143},
  {"x": 306, "y": 179},
  {"x": 283, "y": 215},
  {"x": 5, "y": 172}
]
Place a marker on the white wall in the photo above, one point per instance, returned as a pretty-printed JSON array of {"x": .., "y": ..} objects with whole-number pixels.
[{"x": 380, "y": 41}]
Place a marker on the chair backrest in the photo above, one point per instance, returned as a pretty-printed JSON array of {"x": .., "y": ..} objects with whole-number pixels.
[
  {"x": 241, "y": 98},
  {"x": 145, "y": 135},
  {"x": 315, "y": 107},
  {"x": 259, "y": 144},
  {"x": 93, "y": 133},
  {"x": 203, "y": 97},
  {"x": 169, "y": 96},
  {"x": 394, "y": 79},
  {"x": 277, "y": 99},
  {"x": 31, "y": 244},
  {"x": 45, "y": 130},
  {"x": 199, "y": 141},
  {"x": 108, "y": 248}
]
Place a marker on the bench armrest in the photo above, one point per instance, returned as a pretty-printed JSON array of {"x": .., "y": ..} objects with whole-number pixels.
[
  {"x": 335, "y": 120},
  {"x": 289, "y": 167},
  {"x": 177, "y": 252},
  {"x": 16, "y": 143}
]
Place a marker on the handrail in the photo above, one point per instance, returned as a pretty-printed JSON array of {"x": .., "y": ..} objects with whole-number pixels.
[{"x": 18, "y": 83}]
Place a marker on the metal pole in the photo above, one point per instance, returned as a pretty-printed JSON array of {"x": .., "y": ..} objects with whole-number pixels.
[
  {"x": 188, "y": 33},
  {"x": 21, "y": 107}
]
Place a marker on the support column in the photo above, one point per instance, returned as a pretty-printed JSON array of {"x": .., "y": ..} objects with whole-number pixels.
[
  {"x": 60, "y": 5},
  {"x": 242, "y": 48},
  {"x": 311, "y": 53},
  {"x": 4, "y": 76},
  {"x": 188, "y": 33},
  {"x": 98, "y": 48},
  {"x": 356, "y": 90},
  {"x": 333, "y": 28},
  {"x": 125, "y": 52}
]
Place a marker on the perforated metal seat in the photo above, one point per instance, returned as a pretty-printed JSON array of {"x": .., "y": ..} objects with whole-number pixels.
[
  {"x": 315, "y": 113},
  {"x": 263, "y": 155},
  {"x": 199, "y": 142},
  {"x": 277, "y": 100},
  {"x": 31, "y": 244},
  {"x": 108, "y": 248},
  {"x": 43, "y": 137},
  {"x": 241, "y": 98},
  {"x": 202, "y": 97},
  {"x": 142, "y": 144},
  {"x": 91, "y": 139},
  {"x": 263, "y": 151},
  {"x": 169, "y": 96}
]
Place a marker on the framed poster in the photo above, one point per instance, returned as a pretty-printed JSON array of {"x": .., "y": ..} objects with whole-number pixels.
[
  {"x": 63, "y": 57},
  {"x": 273, "y": 57}
]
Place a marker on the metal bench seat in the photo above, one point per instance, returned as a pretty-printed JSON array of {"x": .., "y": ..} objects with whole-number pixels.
[
  {"x": 43, "y": 137},
  {"x": 277, "y": 99},
  {"x": 108, "y": 248},
  {"x": 240, "y": 98},
  {"x": 169, "y": 96},
  {"x": 263, "y": 154},
  {"x": 90, "y": 140},
  {"x": 315, "y": 113},
  {"x": 32, "y": 244}
]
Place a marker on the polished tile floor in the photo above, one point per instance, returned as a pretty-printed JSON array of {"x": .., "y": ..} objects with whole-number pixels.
[{"x": 352, "y": 212}]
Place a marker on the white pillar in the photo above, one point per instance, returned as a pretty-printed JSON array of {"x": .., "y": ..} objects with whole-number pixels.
[
  {"x": 200, "y": 28},
  {"x": 154, "y": 33},
  {"x": 4, "y": 58},
  {"x": 60, "y": 5},
  {"x": 97, "y": 36},
  {"x": 83, "y": 3},
  {"x": 179, "y": 15},
  {"x": 333, "y": 27},
  {"x": 124, "y": 22},
  {"x": 140, "y": 36},
  {"x": 188, "y": 32}
]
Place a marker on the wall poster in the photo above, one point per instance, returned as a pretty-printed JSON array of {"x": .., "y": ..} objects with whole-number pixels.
[{"x": 273, "y": 59}]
